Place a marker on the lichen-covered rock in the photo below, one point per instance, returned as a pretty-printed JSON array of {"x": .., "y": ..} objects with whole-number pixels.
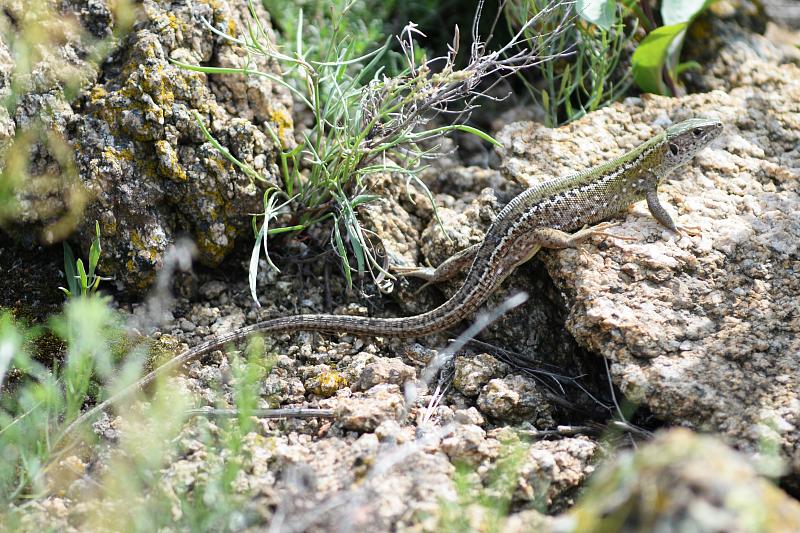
[
  {"x": 147, "y": 172},
  {"x": 142, "y": 155},
  {"x": 704, "y": 329},
  {"x": 681, "y": 482}
]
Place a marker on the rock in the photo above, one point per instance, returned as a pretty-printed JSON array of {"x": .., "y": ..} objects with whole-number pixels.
[
  {"x": 784, "y": 12},
  {"x": 681, "y": 482},
  {"x": 515, "y": 398},
  {"x": 551, "y": 471},
  {"x": 703, "y": 330},
  {"x": 468, "y": 444},
  {"x": 212, "y": 289},
  {"x": 473, "y": 372},
  {"x": 325, "y": 382},
  {"x": 733, "y": 56},
  {"x": 149, "y": 171},
  {"x": 384, "y": 370},
  {"x": 364, "y": 412}
]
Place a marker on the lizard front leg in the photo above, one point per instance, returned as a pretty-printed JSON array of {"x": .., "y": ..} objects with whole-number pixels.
[{"x": 661, "y": 215}]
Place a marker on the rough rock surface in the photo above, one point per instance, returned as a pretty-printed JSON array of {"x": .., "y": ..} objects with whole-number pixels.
[
  {"x": 704, "y": 330},
  {"x": 149, "y": 172},
  {"x": 681, "y": 482}
]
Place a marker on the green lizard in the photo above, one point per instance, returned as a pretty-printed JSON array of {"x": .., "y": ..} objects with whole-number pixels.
[{"x": 539, "y": 217}]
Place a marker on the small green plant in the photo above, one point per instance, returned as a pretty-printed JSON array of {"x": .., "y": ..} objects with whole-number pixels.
[
  {"x": 591, "y": 76},
  {"x": 491, "y": 497},
  {"x": 79, "y": 281},
  {"x": 362, "y": 126},
  {"x": 599, "y": 38},
  {"x": 42, "y": 400},
  {"x": 656, "y": 61}
]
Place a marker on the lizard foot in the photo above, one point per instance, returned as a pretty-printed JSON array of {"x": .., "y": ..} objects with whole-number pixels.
[
  {"x": 426, "y": 273},
  {"x": 601, "y": 230},
  {"x": 694, "y": 231}
]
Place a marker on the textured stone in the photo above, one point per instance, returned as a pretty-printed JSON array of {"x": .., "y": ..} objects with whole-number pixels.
[
  {"x": 366, "y": 411},
  {"x": 515, "y": 398},
  {"x": 550, "y": 471},
  {"x": 384, "y": 370},
  {"x": 681, "y": 482}
]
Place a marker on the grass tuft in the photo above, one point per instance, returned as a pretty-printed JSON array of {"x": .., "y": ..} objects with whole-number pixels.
[{"x": 367, "y": 122}]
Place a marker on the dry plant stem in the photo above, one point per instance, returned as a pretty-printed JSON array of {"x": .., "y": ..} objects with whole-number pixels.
[{"x": 264, "y": 413}]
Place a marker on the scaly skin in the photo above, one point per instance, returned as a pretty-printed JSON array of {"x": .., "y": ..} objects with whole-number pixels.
[{"x": 539, "y": 217}]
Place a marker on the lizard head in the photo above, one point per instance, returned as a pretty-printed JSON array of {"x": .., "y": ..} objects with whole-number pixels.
[{"x": 686, "y": 138}]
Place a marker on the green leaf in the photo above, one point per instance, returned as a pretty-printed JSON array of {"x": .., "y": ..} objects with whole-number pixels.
[
  {"x": 340, "y": 249},
  {"x": 363, "y": 199},
  {"x": 94, "y": 251},
  {"x": 69, "y": 271},
  {"x": 688, "y": 65},
  {"x": 82, "y": 276},
  {"x": 651, "y": 55},
  {"x": 677, "y": 11},
  {"x": 601, "y": 13},
  {"x": 478, "y": 133}
]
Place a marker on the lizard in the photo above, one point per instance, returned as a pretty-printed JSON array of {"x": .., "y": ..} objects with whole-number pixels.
[{"x": 542, "y": 216}]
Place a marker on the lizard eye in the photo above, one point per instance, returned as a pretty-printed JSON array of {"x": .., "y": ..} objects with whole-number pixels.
[
  {"x": 674, "y": 148},
  {"x": 697, "y": 132}
]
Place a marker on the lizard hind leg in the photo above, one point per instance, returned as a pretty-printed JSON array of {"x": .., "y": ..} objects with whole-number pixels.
[
  {"x": 447, "y": 270},
  {"x": 557, "y": 239}
]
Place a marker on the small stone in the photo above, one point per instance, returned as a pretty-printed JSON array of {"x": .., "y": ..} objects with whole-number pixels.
[
  {"x": 366, "y": 411},
  {"x": 468, "y": 443},
  {"x": 515, "y": 399},
  {"x": 468, "y": 416},
  {"x": 212, "y": 289},
  {"x": 384, "y": 370}
]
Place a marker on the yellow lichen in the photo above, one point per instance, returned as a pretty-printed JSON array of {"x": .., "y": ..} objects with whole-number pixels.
[
  {"x": 112, "y": 154},
  {"x": 327, "y": 383},
  {"x": 169, "y": 165},
  {"x": 174, "y": 23},
  {"x": 97, "y": 93},
  {"x": 283, "y": 120}
]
